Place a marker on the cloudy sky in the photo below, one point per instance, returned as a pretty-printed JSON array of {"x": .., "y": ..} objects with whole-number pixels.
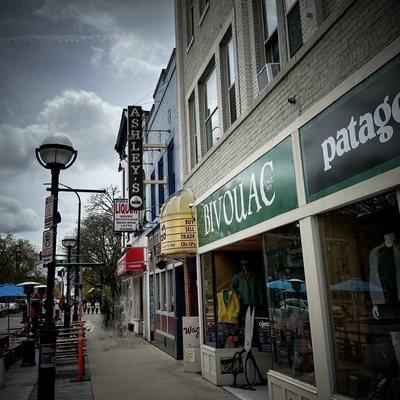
[{"x": 70, "y": 66}]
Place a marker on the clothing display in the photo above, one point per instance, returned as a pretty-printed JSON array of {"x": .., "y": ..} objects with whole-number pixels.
[
  {"x": 385, "y": 288},
  {"x": 228, "y": 306},
  {"x": 385, "y": 277},
  {"x": 247, "y": 287}
]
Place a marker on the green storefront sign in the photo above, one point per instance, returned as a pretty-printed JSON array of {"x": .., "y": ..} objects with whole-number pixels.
[{"x": 263, "y": 190}]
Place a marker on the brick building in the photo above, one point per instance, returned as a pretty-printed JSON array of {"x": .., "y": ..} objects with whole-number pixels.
[{"x": 290, "y": 124}]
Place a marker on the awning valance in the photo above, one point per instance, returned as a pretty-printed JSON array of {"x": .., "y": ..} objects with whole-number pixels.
[
  {"x": 178, "y": 225},
  {"x": 133, "y": 261}
]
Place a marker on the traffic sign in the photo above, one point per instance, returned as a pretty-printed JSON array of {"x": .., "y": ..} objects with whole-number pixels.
[
  {"x": 47, "y": 248},
  {"x": 48, "y": 212}
]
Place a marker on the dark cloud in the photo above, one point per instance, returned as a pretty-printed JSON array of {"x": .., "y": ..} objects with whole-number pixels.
[{"x": 15, "y": 218}]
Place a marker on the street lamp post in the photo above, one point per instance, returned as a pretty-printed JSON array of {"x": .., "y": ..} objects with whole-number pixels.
[
  {"x": 78, "y": 271},
  {"x": 69, "y": 242},
  {"x": 56, "y": 153}
]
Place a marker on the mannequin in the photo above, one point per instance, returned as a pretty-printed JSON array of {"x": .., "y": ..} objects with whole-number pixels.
[{"x": 384, "y": 277}]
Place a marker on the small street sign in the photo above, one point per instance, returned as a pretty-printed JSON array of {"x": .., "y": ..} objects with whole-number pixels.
[
  {"x": 48, "y": 212},
  {"x": 47, "y": 248}
]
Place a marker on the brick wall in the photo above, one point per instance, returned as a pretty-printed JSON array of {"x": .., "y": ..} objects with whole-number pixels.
[{"x": 358, "y": 35}]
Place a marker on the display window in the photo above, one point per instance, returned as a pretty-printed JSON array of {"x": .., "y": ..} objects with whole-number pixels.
[
  {"x": 362, "y": 255},
  {"x": 287, "y": 303},
  {"x": 233, "y": 281}
]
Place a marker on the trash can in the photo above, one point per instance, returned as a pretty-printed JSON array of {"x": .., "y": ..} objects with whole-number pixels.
[{"x": 27, "y": 353}]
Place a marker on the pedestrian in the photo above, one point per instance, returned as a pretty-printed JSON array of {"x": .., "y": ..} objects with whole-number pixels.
[
  {"x": 92, "y": 304},
  {"x": 97, "y": 306}
]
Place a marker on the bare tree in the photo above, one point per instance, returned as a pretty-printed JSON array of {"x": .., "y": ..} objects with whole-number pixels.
[{"x": 100, "y": 244}]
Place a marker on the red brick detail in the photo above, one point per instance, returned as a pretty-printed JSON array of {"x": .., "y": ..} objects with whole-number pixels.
[
  {"x": 190, "y": 278},
  {"x": 171, "y": 325}
]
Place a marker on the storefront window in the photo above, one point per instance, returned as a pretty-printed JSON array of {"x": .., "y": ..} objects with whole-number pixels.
[
  {"x": 287, "y": 303},
  {"x": 163, "y": 291},
  {"x": 233, "y": 281},
  {"x": 362, "y": 256},
  {"x": 170, "y": 275},
  {"x": 157, "y": 291},
  {"x": 208, "y": 300}
]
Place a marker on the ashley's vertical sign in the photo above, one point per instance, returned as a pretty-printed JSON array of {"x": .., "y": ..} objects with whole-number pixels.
[{"x": 135, "y": 157}]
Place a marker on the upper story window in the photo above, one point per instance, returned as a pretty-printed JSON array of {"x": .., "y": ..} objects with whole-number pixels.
[
  {"x": 189, "y": 22},
  {"x": 231, "y": 81},
  {"x": 202, "y": 5},
  {"x": 274, "y": 13},
  {"x": 270, "y": 29},
  {"x": 171, "y": 168},
  {"x": 293, "y": 26},
  {"x": 194, "y": 154},
  {"x": 161, "y": 197},
  {"x": 212, "y": 128},
  {"x": 153, "y": 193},
  {"x": 271, "y": 64}
]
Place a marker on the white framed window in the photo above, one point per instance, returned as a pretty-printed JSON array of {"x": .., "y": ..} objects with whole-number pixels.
[
  {"x": 194, "y": 145},
  {"x": 157, "y": 291},
  {"x": 230, "y": 80},
  {"x": 293, "y": 26},
  {"x": 170, "y": 280},
  {"x": 211, "y": 114},
  {"x": 163, "y": 291},
  {"x": 189, "y": 22},
  {"x": 271, "y": 63}
]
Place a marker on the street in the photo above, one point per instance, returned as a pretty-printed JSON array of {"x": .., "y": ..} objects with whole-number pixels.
[{"x": 15, "y": 322}]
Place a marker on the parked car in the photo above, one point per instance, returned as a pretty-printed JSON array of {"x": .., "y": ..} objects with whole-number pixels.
[{"x": 13, "y": 307}]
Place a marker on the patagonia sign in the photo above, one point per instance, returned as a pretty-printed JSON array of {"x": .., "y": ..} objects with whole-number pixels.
[
  {"x": 263, "y": 190},
  {"x": 356, "y": 138}
]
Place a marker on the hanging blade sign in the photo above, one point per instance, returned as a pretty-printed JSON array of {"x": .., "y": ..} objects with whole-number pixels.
[{"x": 135, "y": 158}]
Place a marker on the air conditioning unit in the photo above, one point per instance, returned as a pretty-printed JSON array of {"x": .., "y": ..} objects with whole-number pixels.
[{"x": 267, "y": 73}]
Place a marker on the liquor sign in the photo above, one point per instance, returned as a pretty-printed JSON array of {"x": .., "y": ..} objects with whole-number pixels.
[
  {"x": 47, "y": 248},
  {"x": 263, "y": 190},
  {"x": 135, "y": 157},
  {"x": 355, "y": 138},
  {"x": 48, "y": 212},
  {"x": 125, "y": 218}
]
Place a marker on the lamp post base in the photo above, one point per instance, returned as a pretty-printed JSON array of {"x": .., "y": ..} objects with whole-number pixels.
[{"x": 47, "y": 365}]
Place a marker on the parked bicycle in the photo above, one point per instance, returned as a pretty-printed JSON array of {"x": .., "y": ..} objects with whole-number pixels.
[{"x": 250, "y": 369}]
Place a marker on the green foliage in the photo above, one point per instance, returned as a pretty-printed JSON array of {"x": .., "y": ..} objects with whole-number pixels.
[{"x": 19, "y": 260}]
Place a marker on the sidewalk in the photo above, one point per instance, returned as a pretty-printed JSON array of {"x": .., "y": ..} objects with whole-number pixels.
[
  {"x": 19, "y": 382},
  {"x": 131, "y": 368}
]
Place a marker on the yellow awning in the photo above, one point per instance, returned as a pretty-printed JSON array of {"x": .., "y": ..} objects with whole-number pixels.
[{"x": 178, "y": 225}]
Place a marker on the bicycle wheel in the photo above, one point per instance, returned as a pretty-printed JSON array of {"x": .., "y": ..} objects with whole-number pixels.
[
  {"x": 236, "y": 363},
  {"x": 250, "y": 369}
]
